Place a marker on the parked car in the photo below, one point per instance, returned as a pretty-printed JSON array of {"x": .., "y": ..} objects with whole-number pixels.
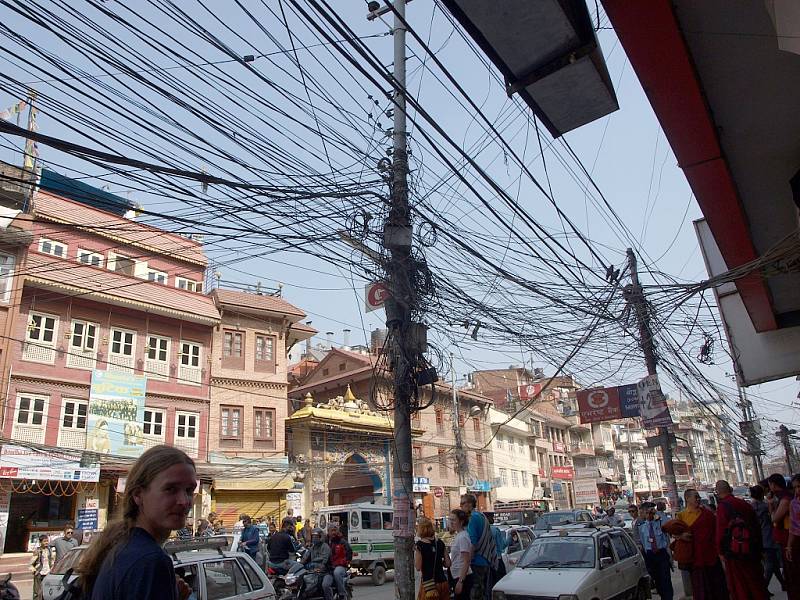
[
  {"x": 580, "y": 564},
  {"x": 518, "y": 538},
  {"x": 210, "y": 569},
  {"x": 561, "y": 518}
]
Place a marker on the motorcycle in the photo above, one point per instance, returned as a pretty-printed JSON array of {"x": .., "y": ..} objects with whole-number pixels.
[{"x": 302, "y": 584}]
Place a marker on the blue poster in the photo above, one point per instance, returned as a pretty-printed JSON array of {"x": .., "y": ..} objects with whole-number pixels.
[
  {"x": 629, "y": 400},
  {"x": 116, "y": 413},
  {"x": 87, "y": 519}
]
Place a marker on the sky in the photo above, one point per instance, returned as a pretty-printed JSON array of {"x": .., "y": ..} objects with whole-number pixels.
[{"x": 625, "y": 152}]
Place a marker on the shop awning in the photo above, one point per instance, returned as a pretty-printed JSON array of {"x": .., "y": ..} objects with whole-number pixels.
[{"x": 277, "y": 484}]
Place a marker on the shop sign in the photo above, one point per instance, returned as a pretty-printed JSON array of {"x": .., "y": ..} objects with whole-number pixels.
[
  {"x": 422, "y": 485},
  {"x": 17, "y": 462},
  {"x": 116, "y": 413},
  {"x": 562, "y": 472},
  {"x": 586, "y": 492},
  {"x": 294, "y": 500},
  {"x": 557, "y": 486},
  {"x": 600, "y": 404},
  {"x": 92, "y": 503},
  {"x": 629, "y": 400},
  {"x": 87, "y": 519},
  {"x": 479, "y": 485},
  {"x": 587, "y": 472},
  {"x": 653, "y": 404},
  {"x": 559, "y": 447},
  {"x": 121, "y": 481},
  {"x": 538, "y": 493},
  {"x": 375, "y": 295},
  {"x": 438, "y": 492},
  {"x": 528, "y": 392}
]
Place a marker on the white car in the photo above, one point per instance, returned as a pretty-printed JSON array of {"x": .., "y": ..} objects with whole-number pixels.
[
  {"x": 578, "y": 564},
  {"x": 205, "y": 564},
  {"x": 518, "y": 538}
]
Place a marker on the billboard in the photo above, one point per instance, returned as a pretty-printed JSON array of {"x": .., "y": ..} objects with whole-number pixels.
[
  {"x": 17, "y": 462},
  {"x": 116, "y": 413},
  {"x": 653, "y": 404},
  {"x": 528, "y": 392},
  {"x": 586, "y": 492},
  {"x": 561, "y": 472},
  {"x": 599, "y": 404},
  {"x": 628, "y": 400}
]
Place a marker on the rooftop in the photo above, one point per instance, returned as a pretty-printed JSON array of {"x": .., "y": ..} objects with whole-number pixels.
[{"x": 258, "y": 302}]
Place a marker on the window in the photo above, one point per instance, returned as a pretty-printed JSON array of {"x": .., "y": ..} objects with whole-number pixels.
[
  {"x": 371, "y": 520},
  {"x": 124, "y": 264},
  {"x": 30, "y": 410},
  {"x": 524, "y": 479},
  {"x": 74, "y": 414},
  {"x": 416, "y": 453},
  {"x": 230, "y": 422},
  {"x": 233, "y": 349},
  {"x": 122, "y": 342},
  {"x": 504, "y": 477},
  {"x": 183, "y": 283},
  {"x": 153, "y": 422},
  {"x": 88, "y": 257},
  {"x": 82, "y": 345},
  {"x": 476, "y": 429},
  {"x": 532, "y": 453},
  {"x": 623, "y": 550},
  {"x": 255, "y": 580},
  {"x": 461, "y": 420},
  {"x": 53, "y": 248},
  {"x": 439, "y": 420},
  {"x": 604, "y": 548},
  {"x": 265, "y": 353},
  {"x": 189, "y": 371},
  {"x": 225, "y": 579},
  {"x": 479, "y": 465},
  {"x": 416, "y": 420},
  {"x": 6, "y": 276},
  {"x": 442, "y": 462},
  {"x": 511, "y": 445},
  {"x": 157, "y": 357},
  {"x": 263, "y": 424},
  {"x": 186, "y": 432},
  {"x": 41, "y": 338},
  {"x": 514, "y": 478},
  {"x": 157, "y": 276}
]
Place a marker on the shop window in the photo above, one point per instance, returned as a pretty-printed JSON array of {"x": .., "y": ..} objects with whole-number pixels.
[
  {"x": 40, "y": 338},
  {"x": 6, "y": 276},
  {"x": 265, "y": 353},
  {"x": 52, "y": 248},
  {"x": 233, "y": 349},
  {"x": 264, "y": 425},
  {"x": 156, "y": 362}
]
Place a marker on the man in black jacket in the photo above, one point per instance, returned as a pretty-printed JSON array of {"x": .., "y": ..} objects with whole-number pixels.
[{"x": 281, "y": 546}]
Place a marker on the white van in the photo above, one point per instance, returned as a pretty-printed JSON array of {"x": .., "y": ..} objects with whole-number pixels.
[{"x": 369, "y": 530}]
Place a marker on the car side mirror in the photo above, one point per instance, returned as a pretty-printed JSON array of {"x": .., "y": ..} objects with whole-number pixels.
[{"x": 606, "y": 561}]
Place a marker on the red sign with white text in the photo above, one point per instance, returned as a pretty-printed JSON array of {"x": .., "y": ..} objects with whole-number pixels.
[
  {"x": 528, "y": 392},
  {"x": 599, "y": 404},
  {"x": 562, "y": 472}
]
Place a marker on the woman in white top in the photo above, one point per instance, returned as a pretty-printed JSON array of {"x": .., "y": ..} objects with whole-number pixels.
[{"x": 460, "y": 555}]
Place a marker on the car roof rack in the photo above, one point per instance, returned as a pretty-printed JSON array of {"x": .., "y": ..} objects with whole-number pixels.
[{"x": 217, "y": 542}]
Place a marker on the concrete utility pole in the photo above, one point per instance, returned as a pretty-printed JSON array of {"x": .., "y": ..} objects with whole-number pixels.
[
  {"x": 461, "y": 457},
  {"x": 753, "y": 441},
  {"x": 407, "y": 337},
  {"x": 646, "y": 340},
  {"x": 784, "y": 433}
]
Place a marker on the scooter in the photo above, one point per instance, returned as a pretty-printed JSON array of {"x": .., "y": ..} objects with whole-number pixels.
[{"x": 302, "y": 584}]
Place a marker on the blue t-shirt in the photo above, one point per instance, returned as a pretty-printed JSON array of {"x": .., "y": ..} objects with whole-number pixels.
[
  {"x": 140, "y": 570},
  {"x": 475, "y": 531}
]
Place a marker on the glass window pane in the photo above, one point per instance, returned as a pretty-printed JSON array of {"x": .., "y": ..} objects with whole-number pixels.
[{"x": 224, "y": 579}]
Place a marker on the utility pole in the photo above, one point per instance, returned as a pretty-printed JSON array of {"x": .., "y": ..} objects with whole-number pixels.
[
  {"x": 646, "y": 340},
  {"x": 630, "y": 460},
  {"x": 784, "y": 433},
  {"x": 407, "y": 337},
  {"x": 461, "y": 458}
]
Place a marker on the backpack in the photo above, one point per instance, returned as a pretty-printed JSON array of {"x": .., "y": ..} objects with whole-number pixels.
[
  {"x": 72, "y": 589},
  {"x": 737, "y": 540}
]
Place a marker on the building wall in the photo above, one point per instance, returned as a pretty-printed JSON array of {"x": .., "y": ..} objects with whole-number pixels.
[{"x": 515, "y": 465}]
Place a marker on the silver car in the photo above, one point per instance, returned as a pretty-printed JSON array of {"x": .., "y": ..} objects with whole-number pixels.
[
  {"x": 518, "y": 538},
  {"x": 595, "y": 563},
  {"x": 205, "y": 564}
]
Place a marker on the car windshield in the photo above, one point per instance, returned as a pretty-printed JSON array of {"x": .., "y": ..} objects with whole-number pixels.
[
  {"x": 69, "y": 561},
  {"x": 555, "y": 518},
  {"x": 559, "y": 552}
]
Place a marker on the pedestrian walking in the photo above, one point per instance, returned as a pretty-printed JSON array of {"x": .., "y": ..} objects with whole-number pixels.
[
  {"x": 781, "y": 501},
  {"x": 656, "y": 557},
  {"x": 739, "y": 542},
  {"x": 126, "y": 561},
  {"x": 305, "y": 532},
  {"x": 707, "y": 576},
  {"x": 500, "y": 547},
  {"x": 793, "y": 544},
  {"x": 430, "y": 559},
  {"x": 771, "y": 550},
  {"x": 42, "y": 561},
  {"x": 484, "y": 550},
  {"x": 460, "y": 555},
  {"x": 65, "y": 543}
]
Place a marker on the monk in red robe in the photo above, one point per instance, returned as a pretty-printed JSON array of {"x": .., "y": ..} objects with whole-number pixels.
[{"x": 745, "y": 573}]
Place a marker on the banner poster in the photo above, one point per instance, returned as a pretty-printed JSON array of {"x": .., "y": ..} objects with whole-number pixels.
[
  {"x": 653, "y": 404},
  {"x": 116, "y": 413},
  {"x": 599, "y": 404}
]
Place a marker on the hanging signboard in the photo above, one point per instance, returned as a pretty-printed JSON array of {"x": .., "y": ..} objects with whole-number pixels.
[
  {"x": 528, "y": 392},
  {"x": 116, "y": 413},
  {"x": 599, "y": 404},
  {"x": 17, "y": 462},
  {"x": 375, "y": 295},
  {"x": 586, "y": 492},
  {"x": 562, "y": 472},
  {"x": 652, "y": 403}
]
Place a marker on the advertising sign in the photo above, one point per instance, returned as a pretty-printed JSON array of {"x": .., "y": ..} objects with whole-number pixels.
[
  {"x": 652, "y": 403},
  {"x": 375, "y": 295},
  {"x": 87, "y": 519},
  {"x": 586, "y": 492},
  {"x": 528, "y": 392},
  {"x": 559, "y": 447},
  {"x": 17, "y": 462},
  {"x": 116, "y": 413},
  {"x": 562, "y": 472},
  {"x": 422, "y": 485},
  {"x": 628, "y": 400},
  {"x": 479, "y": 485},
  {"x": 587, "y": 473},
  {"x": 599, "y": 404}
]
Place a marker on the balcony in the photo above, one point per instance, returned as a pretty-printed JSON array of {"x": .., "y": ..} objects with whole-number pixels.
[
  {"x": 581, "y": 449},
  {"x": 604, "y": 447}
]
